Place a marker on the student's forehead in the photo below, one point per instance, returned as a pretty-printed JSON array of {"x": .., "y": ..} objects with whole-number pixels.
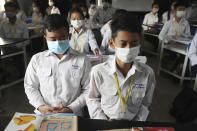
[
  {"x": 181, "y": 7},
  {"x": 61, "y": 31},
  {"x": 9, "y": 9},
  {"x": 126, "y": 35},
  {"x": 76, "y": 14}
]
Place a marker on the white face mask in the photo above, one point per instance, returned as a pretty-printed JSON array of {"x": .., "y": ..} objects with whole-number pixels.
[
  {"x": 104, "y": 4},
  {"x": 77, "y": 23},
  {"x": 127, "y": 55},
  {"x": 172, "y": 7},
  {"x": 155, "y": 10},
  {"x": 180, "y": 14},
  {"x": 35, "y": 9},
  {"x": 51, "y": 3},
  {"x": 84, "y": 13}
]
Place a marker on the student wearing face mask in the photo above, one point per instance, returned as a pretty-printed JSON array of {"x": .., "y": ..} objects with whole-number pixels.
[
  {"x": 14, "y": 28},
  {"x": 169, "y": 15},
  {"x": 152, "y": 17},
  {"x": 92, "y": 8},
  {"x": 52, "y": 9},
  {"x": 103, "y": 14},
  {"x": 75, "y": 4},
  {"x": 20, "y": 14},
  {"x": 122, "y": 88},
  {"x": 191, "y": 12},
  {"x": 87, "y": 21},
  {"x": 178, "y": 26},
  {"x": 37, "y": 16},
  {"x": 107, "y": 34},
  {"x": 81, "y": 38},
  {"x": 57, "y": 80}
]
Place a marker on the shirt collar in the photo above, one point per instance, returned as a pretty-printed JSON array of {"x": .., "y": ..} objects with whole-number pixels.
[
  {"x": 74, "y": 32},
  {"x": 135, "y": 67},
  {"x": 154, "y": 15},
  {"x": 49, "y": 53}
]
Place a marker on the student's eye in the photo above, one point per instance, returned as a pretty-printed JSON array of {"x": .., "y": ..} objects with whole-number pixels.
[{"x": 124, "y": 44}]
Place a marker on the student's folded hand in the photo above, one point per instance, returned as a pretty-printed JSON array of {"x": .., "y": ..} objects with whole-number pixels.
[
  {"x": 62, "y": 109},
  {"x": 96, "y": 52},
  {"x": 45, "y": 108}
]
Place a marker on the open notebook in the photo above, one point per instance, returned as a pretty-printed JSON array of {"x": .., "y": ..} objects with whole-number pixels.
[{"x": 49, "y": 122}]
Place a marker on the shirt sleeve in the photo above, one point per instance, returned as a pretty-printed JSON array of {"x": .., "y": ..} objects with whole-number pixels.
[
  {"x": 95, "y": 18},
  {"x": 25, "y": 31},
  {"x": 32, "y": 85},
  {"x": 80, "y": 102},
  {"x": 92, "y": 40},
  {"x": 164, "y": 17},
  {"x": 94, "y": 98},
  {"x": 187, "y": 29},
  {"x": 193, "y": 51},
  {"x": 145, "y": 22},
  {"x": 23, "y": 16},
  {"x": 2, "y": 34},
  {"x": 143, "y": 112},
  {"x": 57, "y": 11},
  {"x": 164, "y": 31}
]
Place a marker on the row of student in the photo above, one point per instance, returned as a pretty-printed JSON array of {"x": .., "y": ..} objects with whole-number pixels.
[
  {"x": 60, "y": 80},
  {"x": 188, "y": 13}
]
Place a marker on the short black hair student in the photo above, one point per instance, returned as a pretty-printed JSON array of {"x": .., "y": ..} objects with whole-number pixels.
[
  {"x": 82, "y": 39},
  {"x": 50, "y": 73},
  {"x": 122, "y": 88}
]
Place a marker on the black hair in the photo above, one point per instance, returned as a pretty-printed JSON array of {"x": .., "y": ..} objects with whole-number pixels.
[
  {"x": 77, "y": 10},
  {"x": 119, "y": 12},
  {"x": 125, "y": 23},
  {"x": 155, "y": 3},
  {"x": 10, "y": 4},
  {"x": 54, "y": 22},
  {"x": 87, "y": 14},
  {"x": 93, "y": 1},
  {"x": 39, "y": 5},
  {"x": 17, "y": 5},
  {"x": 179, "y": 4}
]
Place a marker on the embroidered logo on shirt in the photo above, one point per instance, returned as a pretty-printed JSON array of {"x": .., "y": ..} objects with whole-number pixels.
[
  {"x": 138, "y": 86},
  {"x": 75, "y": 66}
]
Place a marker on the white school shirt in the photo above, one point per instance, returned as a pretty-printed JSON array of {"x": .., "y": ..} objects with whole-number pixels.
[
  {"x": 51, "y": 81},
  {"x": 103, "y": 100},
  {"x": 54, "y": 10},
  {"x": 105, "y": 47},
  {"x": 101, "y": 16},
  {"x": 107, "y": 35},
  {"x": 92, "y": 10},
  {"x": 150, "y": 19},
  {"x": 37, "y": 19},
  {"x": 182, "y": 29},
  {"x": 84, "y": 39},
  {"x": 193, "y": 51},
  {"x": 165, "y": 17},
  {"x": 17, "y": 30},
  {"x": 20, "y": 16},
  {"x": 191, "y": 13}
]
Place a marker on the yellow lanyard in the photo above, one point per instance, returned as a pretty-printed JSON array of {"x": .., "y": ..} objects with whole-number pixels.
[
  {"x": 177, "y": 33},
  {"x": 79, "y": 46},
  {"x": 13, "y": 32},
  {"x": 123, "y": 103}
]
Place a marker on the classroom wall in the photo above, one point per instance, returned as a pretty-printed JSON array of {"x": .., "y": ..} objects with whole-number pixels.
[
  {"x": 25, "y": 5},
  {"x": 133, "y": 5}
]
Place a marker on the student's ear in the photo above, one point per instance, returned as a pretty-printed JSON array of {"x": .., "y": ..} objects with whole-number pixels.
[{"x": 111, "y": 43}]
